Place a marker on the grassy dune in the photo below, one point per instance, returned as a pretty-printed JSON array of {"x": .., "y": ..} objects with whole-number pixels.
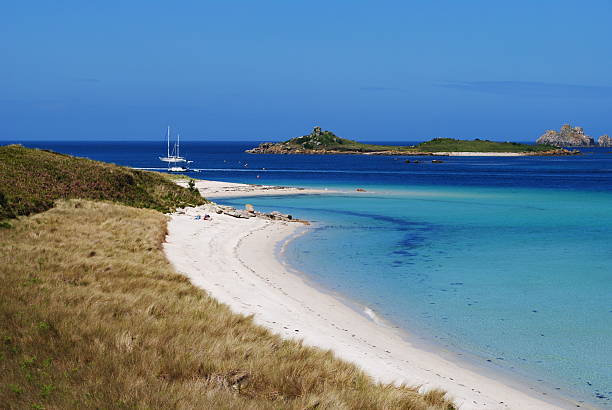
[
  {"x": 31, "y": 180},
  {"x": 93, "y": 316}
]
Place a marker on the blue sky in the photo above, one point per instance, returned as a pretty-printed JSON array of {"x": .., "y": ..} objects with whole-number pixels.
[{"x": 240, "y": 70}]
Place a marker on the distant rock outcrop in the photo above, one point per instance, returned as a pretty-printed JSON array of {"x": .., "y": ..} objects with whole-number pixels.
[
  {"x": 604, "y": 141},
  {"x": 568, "y": 136}
]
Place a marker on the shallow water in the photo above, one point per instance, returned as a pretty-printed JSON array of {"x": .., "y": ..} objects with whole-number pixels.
[{"x": 508, "y": 259}]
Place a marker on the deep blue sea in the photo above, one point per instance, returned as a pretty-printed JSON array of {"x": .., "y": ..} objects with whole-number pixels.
[{"x": 505, "y": 260}]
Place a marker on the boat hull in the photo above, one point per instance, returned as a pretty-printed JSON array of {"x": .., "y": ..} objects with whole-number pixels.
[
  {"x": 173, "y": 159},
  {"x": 178, "y": 169}
]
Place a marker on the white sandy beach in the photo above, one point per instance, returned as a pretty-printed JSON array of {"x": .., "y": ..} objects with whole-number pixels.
[
  {"x": 219, "y": 189},
  {"x": 235, "y": 261}
]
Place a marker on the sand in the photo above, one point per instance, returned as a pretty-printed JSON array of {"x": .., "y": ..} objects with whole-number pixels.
[
  {"x": 236, "y": 261},
  {"x": 219, "y": 189}
]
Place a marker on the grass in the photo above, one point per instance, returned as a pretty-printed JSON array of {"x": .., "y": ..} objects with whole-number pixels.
[
  {"x": 176, "y": 177},
  {"x": 477, "y": 145},
  {"x": 32, "y": 179},
  {"x": 93, "y": 316},
  {"x": 329, "y": 141}
]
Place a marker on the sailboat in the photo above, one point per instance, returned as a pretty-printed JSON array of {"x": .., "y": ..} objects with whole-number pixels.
[{"x": 173, "y": 158}]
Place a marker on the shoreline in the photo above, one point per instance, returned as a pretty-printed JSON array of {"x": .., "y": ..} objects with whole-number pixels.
[
  {"x": 237, "y": 262},
  {"x": 220, "y": 189},
  {"x": 464, "y": 359},
  {"x": 553, "y": 153},
  {"x": 484, "y": 154}
]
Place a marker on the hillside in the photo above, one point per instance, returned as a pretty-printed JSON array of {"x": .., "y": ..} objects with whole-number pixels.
[
  {"x": 326, "y": 142},
  {"x": 477, "y": 145},
  {"x": 323, "y": 142},
  {"x": 32, "y": 179}
]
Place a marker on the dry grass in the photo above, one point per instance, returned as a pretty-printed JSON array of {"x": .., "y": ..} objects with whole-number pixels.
[{"x": 93, "y": 316}]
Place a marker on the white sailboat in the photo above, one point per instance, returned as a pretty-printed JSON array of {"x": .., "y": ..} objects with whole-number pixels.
[
  {"x": 176, "y": 156},
  {"x": 173, "y": 158}
]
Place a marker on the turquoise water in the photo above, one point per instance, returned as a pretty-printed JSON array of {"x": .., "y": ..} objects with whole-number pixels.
[{"x": 521, "y": 279}]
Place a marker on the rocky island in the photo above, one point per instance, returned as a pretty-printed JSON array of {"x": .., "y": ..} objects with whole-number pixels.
[
  {"x": 569, "y": 136},
  {"x": 326, "y": 142},
  {"x": 604, "y": 141}
]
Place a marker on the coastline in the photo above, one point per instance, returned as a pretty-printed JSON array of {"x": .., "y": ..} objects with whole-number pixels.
[
  {"x": 220, "y": 189},
  {"x": 484, "y": 154},
  {"x": 235, "y": 261},
  {"x": 557, "y": 152},
  {"x": 426, "y": 154}
]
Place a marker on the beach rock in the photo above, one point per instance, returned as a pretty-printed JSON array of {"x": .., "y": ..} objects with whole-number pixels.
[
  {"x": 238, "y": 214},
  {"x": 604, "y": 141},
  {"x": 360, "y": 190},
  {"x": 247, "y": 213},
  {"x": 437, "y": 161},
  {"x": 568, "y": 136}
]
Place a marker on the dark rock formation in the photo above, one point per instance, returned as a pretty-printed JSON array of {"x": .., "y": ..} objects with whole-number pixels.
[
  {"x": 568, "y": 136},
  {"x": 604, "y": 141}
]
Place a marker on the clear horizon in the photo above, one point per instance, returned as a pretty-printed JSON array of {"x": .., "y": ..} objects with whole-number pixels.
[{"x": 385, "y": 71}]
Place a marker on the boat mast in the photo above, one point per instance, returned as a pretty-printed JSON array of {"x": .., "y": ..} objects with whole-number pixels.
[
  {"x": 178, "y": 143},
  {"x": 168, "y": 140}
]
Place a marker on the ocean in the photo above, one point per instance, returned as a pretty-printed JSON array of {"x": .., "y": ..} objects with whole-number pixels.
[{"x": 506, "y": 261}]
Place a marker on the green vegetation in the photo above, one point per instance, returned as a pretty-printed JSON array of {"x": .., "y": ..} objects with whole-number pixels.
[
  {"x": 477, "y": 145},
  {"x": 92, "y": 315},
  {"x": 31, "y": 180},
  {"x": 176, "y": 177},
  {"x": 327, "y": 142}
]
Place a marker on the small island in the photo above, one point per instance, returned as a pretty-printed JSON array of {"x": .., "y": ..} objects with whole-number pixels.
[{"x": 326, "y": 142}]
